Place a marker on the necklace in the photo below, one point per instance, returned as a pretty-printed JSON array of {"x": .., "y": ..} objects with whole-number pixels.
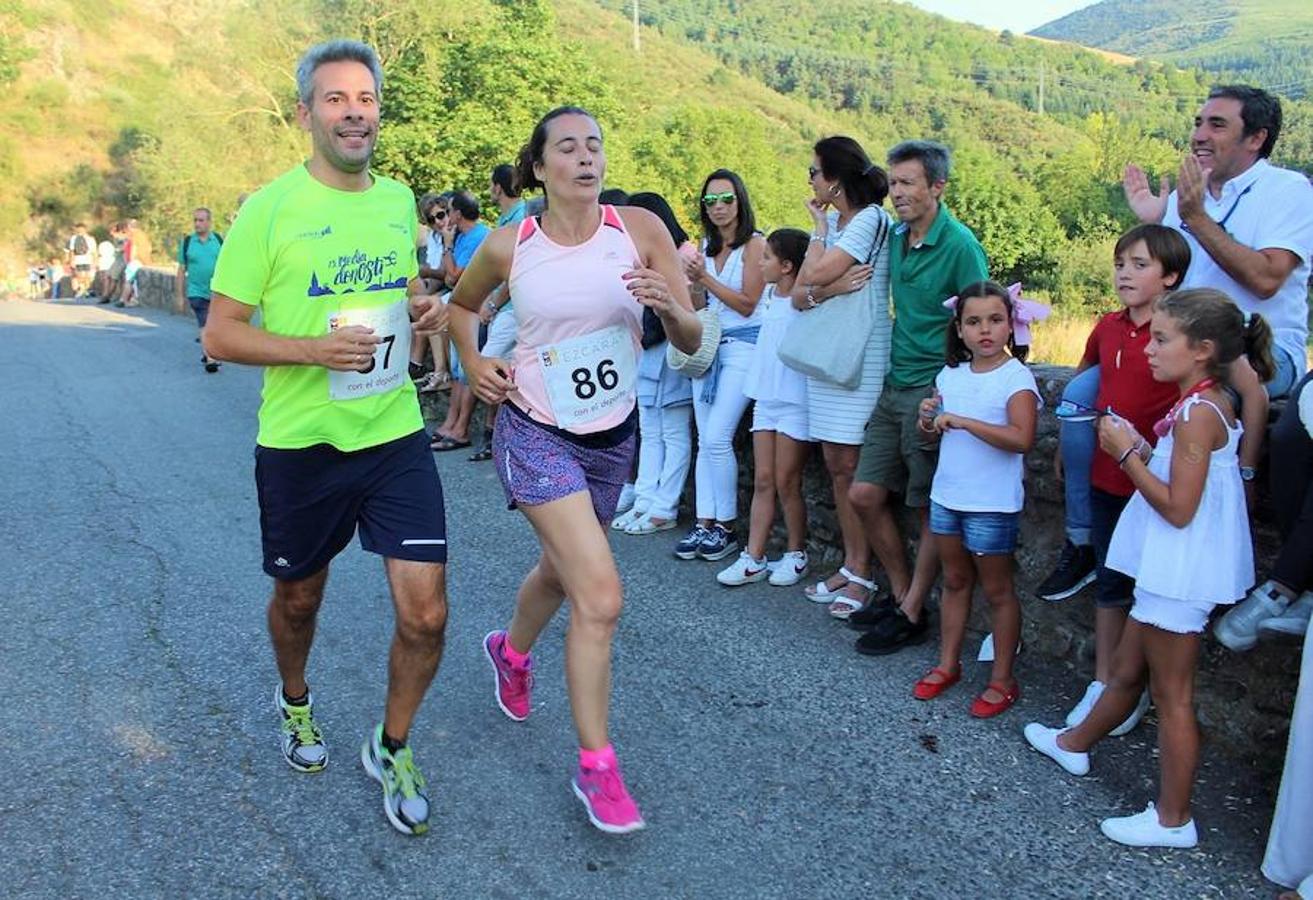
[{"x": 1164, "y": 425}]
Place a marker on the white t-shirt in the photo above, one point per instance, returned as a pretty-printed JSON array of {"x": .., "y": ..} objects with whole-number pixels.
[
  {"x": 974, "y": 476},
  {"x": 1264, "y": 207},
  {"x": 106, "y": 252},
  {"x": 88, "y": 245},
  {"x": 769, "y": 379}
]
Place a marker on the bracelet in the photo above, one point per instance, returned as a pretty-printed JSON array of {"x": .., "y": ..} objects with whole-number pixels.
[
  {"x": 817, "y": 237},
  {"x": 1127, "y": 455},
  {"x": 811, "y": 296}
]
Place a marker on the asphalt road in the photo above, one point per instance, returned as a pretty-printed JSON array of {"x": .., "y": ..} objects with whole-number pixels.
[{"x": 139, "y": 753}]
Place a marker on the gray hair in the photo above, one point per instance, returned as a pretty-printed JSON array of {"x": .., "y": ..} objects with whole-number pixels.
[
  {"x": 330, "y": 52},
  {"x": 934, "y": 157}
]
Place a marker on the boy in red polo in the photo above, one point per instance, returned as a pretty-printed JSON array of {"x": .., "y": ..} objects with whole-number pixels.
[{"x": 1148, "y": 261}]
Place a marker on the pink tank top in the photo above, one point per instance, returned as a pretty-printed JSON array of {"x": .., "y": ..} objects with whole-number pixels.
[{"x": 578, "y": 329}]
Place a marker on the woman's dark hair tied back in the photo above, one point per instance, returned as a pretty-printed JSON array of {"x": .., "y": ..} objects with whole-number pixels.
[
  {"x": 1206, "y": 314},
  {"x": 532, "y": 151},
  {"x": 843, "y": 160}
]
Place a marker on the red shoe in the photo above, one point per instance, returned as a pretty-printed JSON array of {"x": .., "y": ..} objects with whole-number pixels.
[
  {"x": 929, "y": 690},
  {"x": 984, "y": 709}
]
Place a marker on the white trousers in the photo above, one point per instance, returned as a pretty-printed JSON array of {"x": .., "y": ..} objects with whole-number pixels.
[
  {"x": 1289, "y": 858},
  {"x": 664, "y": 455},
  {"x": 716, "y": 474}
]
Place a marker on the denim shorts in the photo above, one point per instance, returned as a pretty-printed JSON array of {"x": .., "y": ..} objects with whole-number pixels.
[{"x": 982, "y": 533}]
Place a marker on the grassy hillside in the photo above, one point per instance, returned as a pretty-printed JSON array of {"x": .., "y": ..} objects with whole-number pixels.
[
  {"x": 1265, "y": 42},
  {"x": 150, "y": 107}
]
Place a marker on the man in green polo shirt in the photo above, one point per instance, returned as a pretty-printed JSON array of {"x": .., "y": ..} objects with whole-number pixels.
[
  {"x": 198, "y": 253},
  {"x": 932, "y": 256},
  {"x": 326, "y": 252}
]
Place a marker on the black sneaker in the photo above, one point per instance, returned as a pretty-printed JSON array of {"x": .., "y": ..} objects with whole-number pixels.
[
  {"x": 688, "y": 547},
  {"x": 1075, "y": 569},
  {"x": 719, "y": 543},
  {"x": 893, "y": 634},
  {"x": 417, "y": 371},
  {"x": 872, "y": 614}
]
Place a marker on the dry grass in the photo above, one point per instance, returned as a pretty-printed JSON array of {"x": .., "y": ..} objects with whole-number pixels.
[{"x": 1060, "y": 339}]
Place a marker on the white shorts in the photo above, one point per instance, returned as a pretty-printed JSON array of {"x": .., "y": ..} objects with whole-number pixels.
[
  {"x": 1171, "y": 614},
  {"x": 787, "y": 418},
  {"x": 501, "y": 335}
]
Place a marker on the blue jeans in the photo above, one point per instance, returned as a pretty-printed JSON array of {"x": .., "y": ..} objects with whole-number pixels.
[
  {"x": 1287, "y": 374},
  {"x": 1079, "y": 443}
]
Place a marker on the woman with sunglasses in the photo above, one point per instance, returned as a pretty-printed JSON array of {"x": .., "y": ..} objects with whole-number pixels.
[
  {"x": 433, "y": 213},
  {"x": 727, "y": 276},
  {"x": 850, "y": 228}
]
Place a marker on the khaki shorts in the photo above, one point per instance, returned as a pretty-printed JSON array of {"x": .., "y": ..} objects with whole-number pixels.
[{"x": 895, "y": 453}]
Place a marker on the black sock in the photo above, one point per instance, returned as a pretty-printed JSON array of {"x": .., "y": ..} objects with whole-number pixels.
[
  {"x": 391, "y": 744},
  {"x": 296, "y": 701}
]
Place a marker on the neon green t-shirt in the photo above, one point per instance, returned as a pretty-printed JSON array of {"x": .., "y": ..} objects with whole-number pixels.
[{"x": 313, "y": 258}]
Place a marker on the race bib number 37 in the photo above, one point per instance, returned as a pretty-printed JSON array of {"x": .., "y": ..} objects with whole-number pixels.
[
  {"x": 387, "y": 368},
  {"x": 589, "y": 376}
]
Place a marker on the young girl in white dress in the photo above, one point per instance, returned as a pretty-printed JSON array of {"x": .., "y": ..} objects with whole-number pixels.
[
  {"x": 1184, "y": 538},
  {"x": 781, "y": 438}
]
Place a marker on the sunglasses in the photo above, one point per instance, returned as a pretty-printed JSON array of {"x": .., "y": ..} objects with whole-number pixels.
[
  {"x": 712, "y": 199},
  {"x": 437, "y": 216},
  {"x": 1071, "y": 411}
]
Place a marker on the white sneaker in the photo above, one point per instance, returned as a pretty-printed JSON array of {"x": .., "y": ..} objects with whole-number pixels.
[
  {"x": 1082, "y": 709},
  {"x": 1237, "y": 631},
  {"x": 744, "y": 570},
  {"x": 1045, "y": 740},
  {"x": 1144, "y": 830},
  {"x": 789, "y": 568},
  {"x": 1141, "y": 707},
  {"x": 1291, "y": 624},
  {"x": 626, "y": 498}
]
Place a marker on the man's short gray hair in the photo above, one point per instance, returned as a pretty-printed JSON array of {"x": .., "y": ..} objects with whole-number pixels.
[
  {"x": 934, "y": 157},
  {"x": 330, "y": 52}
]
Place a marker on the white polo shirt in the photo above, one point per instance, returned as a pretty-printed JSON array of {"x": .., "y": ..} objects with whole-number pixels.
[{"x": 1264, "y": 207}]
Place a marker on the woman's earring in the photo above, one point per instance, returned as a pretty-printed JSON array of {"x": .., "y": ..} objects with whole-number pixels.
[{"x": 834, "y": 191}]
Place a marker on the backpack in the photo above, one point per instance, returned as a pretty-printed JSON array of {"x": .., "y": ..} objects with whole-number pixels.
[
  {"x": 81, "y": 246},
  {"x": 186, "y": 242}
]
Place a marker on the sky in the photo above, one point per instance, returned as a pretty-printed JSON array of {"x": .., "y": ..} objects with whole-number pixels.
[{"x": 1016, "y": 15}]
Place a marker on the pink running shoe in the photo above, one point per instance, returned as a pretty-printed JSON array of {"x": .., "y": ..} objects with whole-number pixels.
[
  {"x": 514, "y": 684},
  {"x": 604, "y": 795}
]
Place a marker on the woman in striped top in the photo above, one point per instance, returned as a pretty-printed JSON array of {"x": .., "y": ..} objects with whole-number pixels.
[{"x": 851, "y": 228}]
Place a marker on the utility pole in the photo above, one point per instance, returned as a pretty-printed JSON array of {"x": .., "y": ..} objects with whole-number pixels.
[
  {"x": 637, "y": 48},
  {"x": 1041, "y": 83}
]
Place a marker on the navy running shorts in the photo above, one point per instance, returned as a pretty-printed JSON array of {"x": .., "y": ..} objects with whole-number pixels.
[{"x": 313, "y": 499}]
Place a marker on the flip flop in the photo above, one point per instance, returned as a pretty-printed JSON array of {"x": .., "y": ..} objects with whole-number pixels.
[
  {"x": 446, "y": 443},
  {"x": 482, "y": 454}
]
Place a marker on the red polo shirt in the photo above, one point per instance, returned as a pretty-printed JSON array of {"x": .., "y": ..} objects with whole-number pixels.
[{"x": 1116, "y": 346}]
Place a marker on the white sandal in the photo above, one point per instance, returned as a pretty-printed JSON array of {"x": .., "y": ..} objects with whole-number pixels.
[
  {"x": 820, "y": 593},
  {"x": 625, "y": 519},
  {"x": 842, "y": 606},
  {"x": 644, "y": 525}
]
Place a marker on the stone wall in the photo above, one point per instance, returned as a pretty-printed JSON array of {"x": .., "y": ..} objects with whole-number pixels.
[{"x": 1244, "y": 700}]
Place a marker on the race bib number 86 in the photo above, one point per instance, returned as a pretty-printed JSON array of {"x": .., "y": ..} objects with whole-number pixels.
[
  {"x": 589, "y": 376},
  {"x": 386, "y": 369}
]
